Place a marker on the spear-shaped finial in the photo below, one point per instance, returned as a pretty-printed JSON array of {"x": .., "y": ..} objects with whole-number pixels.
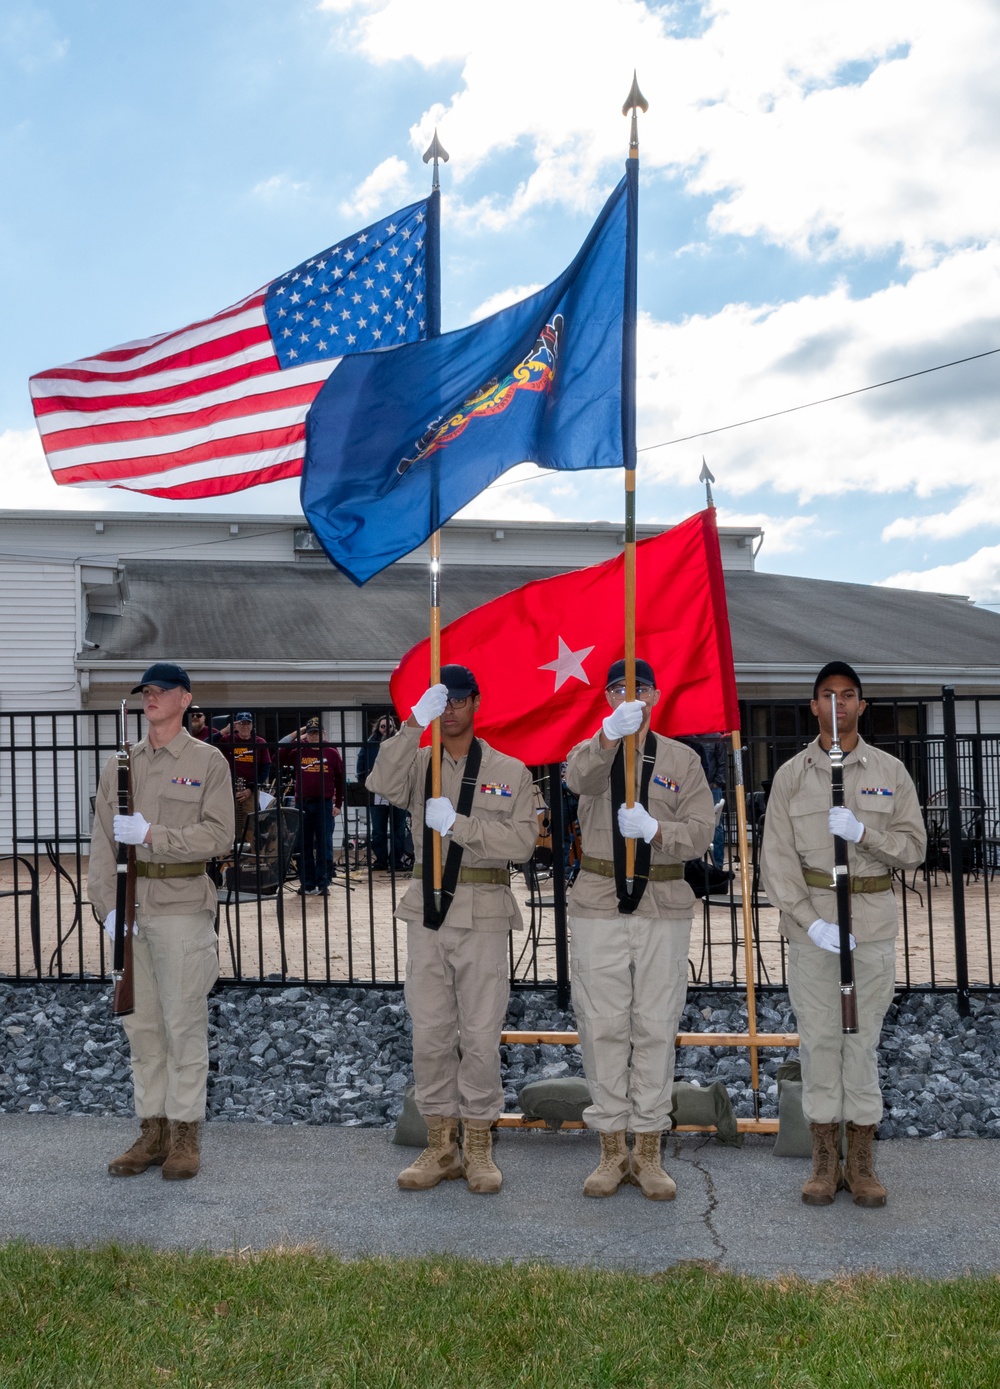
[
  {"x": 707, "y": 477},
  {"x": 435, "y": 151},
  {"x": 633, "y": 102}
]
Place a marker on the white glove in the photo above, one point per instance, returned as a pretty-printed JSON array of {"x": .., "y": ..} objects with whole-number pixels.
[
  {"x": 131, "y": 829},
  {"x": 627, "y": 718},
  {"x": 845, "y": 823},
  {"x": 637, "y": 823},
  {"x": 827, "y": 936},
  {"x": 430, "y": 705},
  {"x": 109, "y": 925},
  {"x": 439, "y": 812}
]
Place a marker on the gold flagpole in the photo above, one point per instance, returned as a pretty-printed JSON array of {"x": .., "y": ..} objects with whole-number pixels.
[
  {"x": 435, "y": 679},
  {"x": 435, "y": 152},
  {"x": 744, "y": 848},
  {"x": 633, "y": 102}
]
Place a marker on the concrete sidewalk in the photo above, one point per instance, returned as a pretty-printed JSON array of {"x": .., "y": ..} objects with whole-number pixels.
[{"x": 334, "y": 1188}]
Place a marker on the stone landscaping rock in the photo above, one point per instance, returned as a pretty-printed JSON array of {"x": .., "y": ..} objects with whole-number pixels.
[{"x": 342, "y": 1055}]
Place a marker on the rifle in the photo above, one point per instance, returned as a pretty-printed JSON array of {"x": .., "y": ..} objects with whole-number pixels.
[
  {"x": 121, "y": 968},
  {"x": 842, "y": 882}
]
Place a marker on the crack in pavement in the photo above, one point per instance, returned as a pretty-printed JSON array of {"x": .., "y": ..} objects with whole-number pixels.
[{"x": 710, "y": 1196}]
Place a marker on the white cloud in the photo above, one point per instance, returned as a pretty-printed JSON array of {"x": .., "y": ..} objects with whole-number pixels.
[
  {"x": 900, "y": 156},
  {"x": 502, "y": 300},
  {"x": 276, "y": 187},
  {"x": 387, "y": 181},
  {"x": 510, "y": 498},
  {"x": 978, "y": 577},
  {"x": 782, "y": 534},
  {"x": 824, "y": 128},
  {"x": 938, "y": 431},
  {"x": 30, "y": 38},
  {"x": 979, "y": 507}
]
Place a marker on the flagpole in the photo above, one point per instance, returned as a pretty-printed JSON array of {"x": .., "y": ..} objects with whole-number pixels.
[
  {"x": 432, "y": 259},
  {"x": 633, "y": 102},
  {"x": 743, "y": 845}
]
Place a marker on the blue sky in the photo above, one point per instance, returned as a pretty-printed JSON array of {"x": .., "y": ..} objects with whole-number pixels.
[{"x": 818, "y": 212}]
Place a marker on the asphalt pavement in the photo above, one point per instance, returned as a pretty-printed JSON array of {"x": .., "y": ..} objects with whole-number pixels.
[{"x": 331, "y": 1188}]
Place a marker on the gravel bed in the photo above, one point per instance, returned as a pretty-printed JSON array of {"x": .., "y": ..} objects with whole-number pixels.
[{"x": 342, "y": 1056}]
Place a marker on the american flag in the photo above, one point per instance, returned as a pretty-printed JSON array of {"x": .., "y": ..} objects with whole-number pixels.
[{"x": 221, "y": 405}]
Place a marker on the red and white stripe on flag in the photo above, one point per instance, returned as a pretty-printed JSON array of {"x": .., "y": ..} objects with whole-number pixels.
[
  {"x": 197, "y": 413},
  {"x": 221, "y": 405}
]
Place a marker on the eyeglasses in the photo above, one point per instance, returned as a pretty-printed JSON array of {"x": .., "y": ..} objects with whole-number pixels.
[
  {"x": 458, "y": 703},
  {"x": 620, "y": 692}
]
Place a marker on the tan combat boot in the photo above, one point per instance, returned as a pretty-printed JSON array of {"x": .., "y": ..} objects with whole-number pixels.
[
  {"x": 859, "y": 1169},
  {"x": 185, "y": 1155},
  {"x": 439, "y": 1162},
  {"x": 646, "y": 1172},
  {"x": 481, "y": 1172},
  {"x": 149, "y": 1149},
  {"x": 825, "y": 1180},
  {"x": 613, "y": 1168}
]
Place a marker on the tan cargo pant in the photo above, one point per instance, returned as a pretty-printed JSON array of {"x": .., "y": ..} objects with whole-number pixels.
[
  {"x": 840, "y": 1071},
  {"x": 629, "y": 978},
  {"x": 457, "y": 989},
  {"x": 176, "y": 962}
]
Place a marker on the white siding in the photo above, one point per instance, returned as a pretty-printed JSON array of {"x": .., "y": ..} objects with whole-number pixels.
[
  {"x": 965, "y": 717},
  {"x": 138, "y": 537},
  {"x": 38, "y": 635}
]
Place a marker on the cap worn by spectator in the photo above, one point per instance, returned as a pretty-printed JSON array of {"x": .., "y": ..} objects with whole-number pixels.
[
  {"x": 643, "y": 674},
  {"x": 312, "y": 725},
  {"x": 459, "y": 681},
  {"x": 245, "y": 717},
  {"x": 165, "y": 676}
]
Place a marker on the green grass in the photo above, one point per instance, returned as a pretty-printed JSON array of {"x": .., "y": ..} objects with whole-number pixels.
[{"x": 130, "y": 1317}]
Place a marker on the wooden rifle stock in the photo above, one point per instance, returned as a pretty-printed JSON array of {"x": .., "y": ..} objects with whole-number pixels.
[
  {"x": 842, "y": 881},
  {"x": 123, "y": 1001}
]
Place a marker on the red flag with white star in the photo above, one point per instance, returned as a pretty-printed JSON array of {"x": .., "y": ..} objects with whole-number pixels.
[{"x": 541, "y": 653}]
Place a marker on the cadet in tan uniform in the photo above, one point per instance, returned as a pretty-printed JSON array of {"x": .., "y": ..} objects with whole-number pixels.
[
  {"x": 629, "y": 955},
  {"x": 457, "y": 968},
  {"x": 881, "y": 820},
  {"x": 183, "y": 799}
]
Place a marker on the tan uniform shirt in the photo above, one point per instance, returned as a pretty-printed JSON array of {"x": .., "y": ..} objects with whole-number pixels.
[
  {"x": 185, "y": 792},
  {"x": 877, "y": 787},
  {"x": 680, "y": 802},
  {"x": 501, "y": 829}
]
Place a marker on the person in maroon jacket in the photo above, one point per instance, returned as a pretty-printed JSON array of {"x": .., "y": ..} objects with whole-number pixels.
[
  {"x": 198, "y": 724},
  {"x": 249, "y": 761},
  {"x": 319, "y": 794}
]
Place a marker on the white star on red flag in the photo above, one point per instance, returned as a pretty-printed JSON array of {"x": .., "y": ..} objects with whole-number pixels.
[{"x": 569, "y": 664}]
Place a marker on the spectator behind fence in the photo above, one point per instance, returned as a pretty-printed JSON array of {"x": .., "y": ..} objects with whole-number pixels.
[
  {"x": 386, "y": 823},
  {"x": 319, "y": 794},
  {"x": 249, "y": 763},
  {"x": 198, "y": 724}
]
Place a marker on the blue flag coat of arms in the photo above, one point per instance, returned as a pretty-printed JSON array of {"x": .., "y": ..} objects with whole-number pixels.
[{"x": 397, "y": 442}]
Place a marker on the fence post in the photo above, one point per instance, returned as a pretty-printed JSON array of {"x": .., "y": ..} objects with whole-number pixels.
[
  {"x": 558, "y": 827},
  {"x": 955, "y": 854}
]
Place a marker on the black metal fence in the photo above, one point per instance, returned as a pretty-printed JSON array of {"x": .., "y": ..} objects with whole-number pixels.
[{"x": 271, "y": 932}]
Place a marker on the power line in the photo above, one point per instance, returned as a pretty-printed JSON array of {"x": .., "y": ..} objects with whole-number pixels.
[{"x": 720, "y": 429}]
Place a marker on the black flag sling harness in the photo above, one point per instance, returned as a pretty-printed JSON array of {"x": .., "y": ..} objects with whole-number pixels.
[
  {"x": 434, "y": 916},
  {"x": 628, "y": 901}
]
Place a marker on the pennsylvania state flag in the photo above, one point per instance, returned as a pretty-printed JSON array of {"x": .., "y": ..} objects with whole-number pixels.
[{"x": 397, "y": 442}]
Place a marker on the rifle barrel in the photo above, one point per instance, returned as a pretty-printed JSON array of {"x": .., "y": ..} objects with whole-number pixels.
[{"x": 842, "y": 880}]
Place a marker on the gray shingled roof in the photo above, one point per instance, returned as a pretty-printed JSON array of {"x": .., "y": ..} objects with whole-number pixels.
[{"x": 234, "y": 611}]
